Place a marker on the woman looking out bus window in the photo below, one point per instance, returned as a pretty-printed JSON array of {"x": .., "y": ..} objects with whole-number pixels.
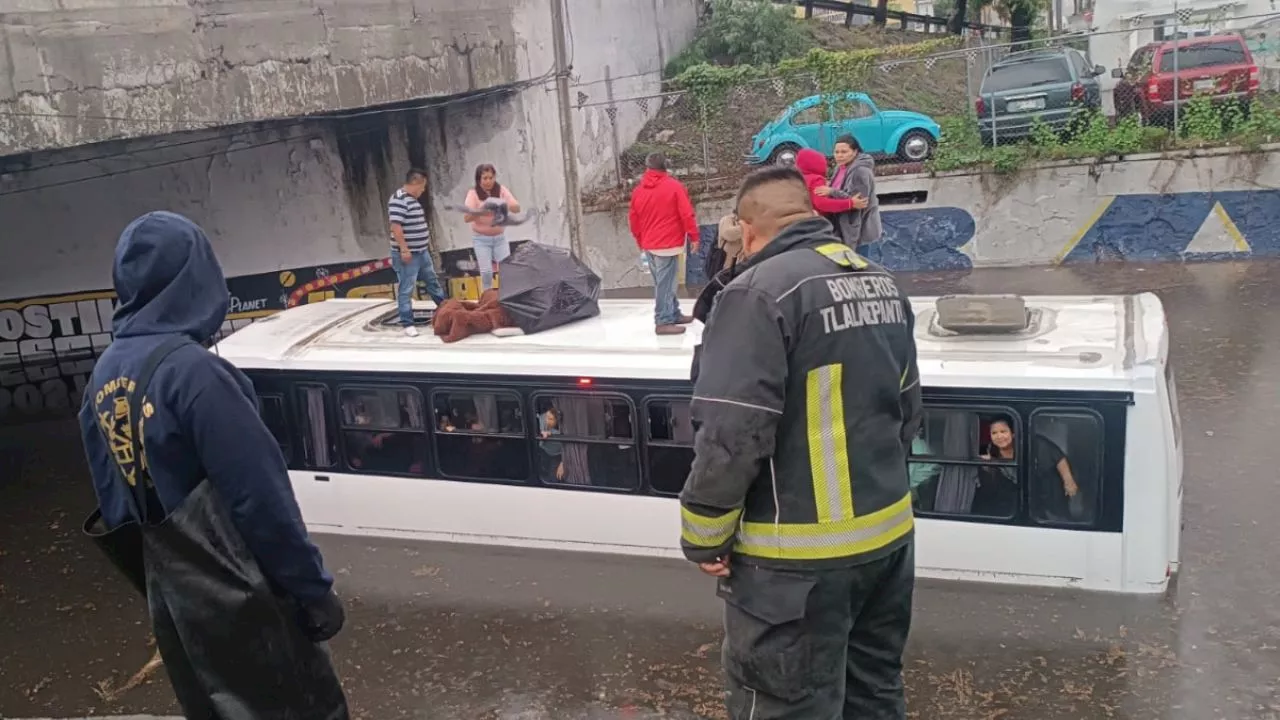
[
  {"x": 997, "y": 492},
  {"x": 552, "y": 464},
  {"x": 1051, "y": 470}
]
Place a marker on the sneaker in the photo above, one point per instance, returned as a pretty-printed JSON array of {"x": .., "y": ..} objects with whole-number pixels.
[
  {"x": 411, "y": 331},
  {"x": 669, "y": 329}
]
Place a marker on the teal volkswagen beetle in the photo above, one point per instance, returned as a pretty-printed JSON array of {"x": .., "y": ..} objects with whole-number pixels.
[{"x": 816, "y": 121}]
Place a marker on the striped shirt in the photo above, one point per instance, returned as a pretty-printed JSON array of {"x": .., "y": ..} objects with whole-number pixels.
[{"x": 405, "y": 210}]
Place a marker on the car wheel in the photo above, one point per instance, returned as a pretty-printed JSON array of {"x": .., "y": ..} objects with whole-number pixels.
[
  {"x": 916, "y": 146},
  {"x": 784, "y": 154}
]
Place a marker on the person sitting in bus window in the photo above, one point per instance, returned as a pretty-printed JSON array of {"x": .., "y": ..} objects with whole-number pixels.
[
  {"x": 362, "y": 443},
  {"x": 997, "y": 492},
  {"x": 377, "y": 451},
  {"x": 923, "y": 474},
  {"x": 1057, "y": 493},
  {"x": 552, "y": 458}
]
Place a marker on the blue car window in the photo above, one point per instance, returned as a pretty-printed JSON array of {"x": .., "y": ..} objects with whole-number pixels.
[{"x": 808, "y": 116}]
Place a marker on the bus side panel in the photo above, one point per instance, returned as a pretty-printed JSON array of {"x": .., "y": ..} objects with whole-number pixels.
[
  {"x": 496, "y": 513},
  {"x": 322, "y": 499},
  {"x": 985, "y": 552},
  {"x": 1147, "y": 502}
]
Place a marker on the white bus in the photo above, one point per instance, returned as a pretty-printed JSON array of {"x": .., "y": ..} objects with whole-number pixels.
[{"x": 579, "y": 438}]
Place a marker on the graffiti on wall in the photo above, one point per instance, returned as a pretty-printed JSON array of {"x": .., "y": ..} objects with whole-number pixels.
[
  {"x": 48, "y": 345},
  {"x": 917, "y": 239},
  {"x": 1190, "y": 227},
  {"x": 1179, "y": 227}
]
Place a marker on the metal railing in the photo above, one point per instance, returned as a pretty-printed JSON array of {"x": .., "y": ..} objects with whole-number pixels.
[{"x": 931, "y": 23}]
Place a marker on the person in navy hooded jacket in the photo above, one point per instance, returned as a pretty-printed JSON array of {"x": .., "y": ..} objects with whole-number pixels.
[{"x": 202, "y": 423}]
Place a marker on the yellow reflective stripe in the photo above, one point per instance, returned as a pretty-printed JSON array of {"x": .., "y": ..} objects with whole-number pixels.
[
  {"x": 826, "y": 541},
  {"x": 707, "y": 532},
  {"x": 828, "y": 445},
  {"x": 842, "y": 255},
  {"x": 902, "y": 381}
]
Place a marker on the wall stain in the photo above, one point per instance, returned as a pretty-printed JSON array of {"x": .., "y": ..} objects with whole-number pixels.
[{"x": 364, "y": 147}]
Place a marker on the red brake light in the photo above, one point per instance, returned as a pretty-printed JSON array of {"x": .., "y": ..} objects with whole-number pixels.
[
  {"x": 1253, "y": 78},
  {"x": 980, "y": 106},
  {"x": 1077, "y": 92},
  {"x": 584, "y": 381},
  {"x": 1153, "y": 89}
]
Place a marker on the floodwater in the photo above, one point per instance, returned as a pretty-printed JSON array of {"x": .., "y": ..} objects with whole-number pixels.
[{"x": 443, "y": 632}]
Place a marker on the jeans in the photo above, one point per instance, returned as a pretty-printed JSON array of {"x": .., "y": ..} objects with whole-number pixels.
[
  {"x": 419, "y": 268},
  {"x": 666, "y": 308},
  {"x": 490, "y": 249},
  {"x": 818, "y": 643}
]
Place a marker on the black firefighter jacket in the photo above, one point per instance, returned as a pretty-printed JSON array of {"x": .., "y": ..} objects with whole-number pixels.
[{"x": 806, "y": 397}]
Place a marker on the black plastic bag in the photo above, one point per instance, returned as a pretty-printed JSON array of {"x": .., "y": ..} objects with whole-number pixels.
[{"x": 543, "y": 287}]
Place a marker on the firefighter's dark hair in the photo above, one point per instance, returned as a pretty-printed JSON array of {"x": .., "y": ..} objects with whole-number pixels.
[
  {"x": 772, "y": 193},
  {"x": 768, "y": 175}
]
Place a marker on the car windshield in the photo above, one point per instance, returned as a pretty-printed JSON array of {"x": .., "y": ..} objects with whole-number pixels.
[
  {"x": 1227, "y": 52},
  {"x": 1026, "y": 74}
]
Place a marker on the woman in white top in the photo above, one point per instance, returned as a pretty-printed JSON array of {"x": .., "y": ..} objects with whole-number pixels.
[{"x": 488, "y": 239}]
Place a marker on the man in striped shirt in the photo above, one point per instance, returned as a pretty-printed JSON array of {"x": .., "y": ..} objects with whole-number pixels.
[{"x": 410, "y": 247}]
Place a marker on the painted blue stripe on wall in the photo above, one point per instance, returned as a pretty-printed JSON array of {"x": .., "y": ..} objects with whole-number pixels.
[{"x": 923, "y": 239}]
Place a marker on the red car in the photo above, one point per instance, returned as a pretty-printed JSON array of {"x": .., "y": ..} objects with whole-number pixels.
[{"x": 1219, "y": 66}]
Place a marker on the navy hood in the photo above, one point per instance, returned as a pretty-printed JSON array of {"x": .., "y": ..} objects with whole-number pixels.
[{"x": 168, "y": 280}]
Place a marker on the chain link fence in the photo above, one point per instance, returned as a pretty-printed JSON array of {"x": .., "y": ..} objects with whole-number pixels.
[
  {"x": 1188, "y": 81},
  {"x": 768, "y": 120}
]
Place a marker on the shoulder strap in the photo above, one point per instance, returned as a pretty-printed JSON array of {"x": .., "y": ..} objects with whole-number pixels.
[
  {"x": 842, "y": 255},
  {"x": 138, "y": 488}
]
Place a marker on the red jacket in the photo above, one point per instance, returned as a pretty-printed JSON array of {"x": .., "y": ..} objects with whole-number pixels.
[
  {"x": 813, "y": 166},
  {"x": 661, "y": 213}
]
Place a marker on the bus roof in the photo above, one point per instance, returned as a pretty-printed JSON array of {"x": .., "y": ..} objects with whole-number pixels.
[{"x": 1084, "y": 343}]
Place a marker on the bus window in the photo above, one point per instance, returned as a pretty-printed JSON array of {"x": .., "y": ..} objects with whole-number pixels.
[
  {"x": 670, "y": 445},
  {"x": 963, "y": 463},
  {"x": 271, "y": 408},
  {"x": 383, "y": 430},
  {"x": 590, "y": 440},
  {"x": 318, "y": 446},
  {"x": 480, "y": 435},
  {"x": 1066, "y": 465}
]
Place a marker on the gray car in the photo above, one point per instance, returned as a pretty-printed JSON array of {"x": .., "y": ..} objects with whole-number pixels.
[{"x": 1049, "y": 84}]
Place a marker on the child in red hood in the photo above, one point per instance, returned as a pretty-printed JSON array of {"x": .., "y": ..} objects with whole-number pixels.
[{"x": 813, "y": 166}]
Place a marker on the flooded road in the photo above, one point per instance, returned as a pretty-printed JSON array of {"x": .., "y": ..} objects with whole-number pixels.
[{"x": 444, "y": 632}]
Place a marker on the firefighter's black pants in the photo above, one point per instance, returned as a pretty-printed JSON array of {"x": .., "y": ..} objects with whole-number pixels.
[{"x": 818, "y": 644}]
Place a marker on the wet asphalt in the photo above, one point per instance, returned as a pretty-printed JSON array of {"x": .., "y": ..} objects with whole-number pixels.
[{"x": 447, "y": 631}]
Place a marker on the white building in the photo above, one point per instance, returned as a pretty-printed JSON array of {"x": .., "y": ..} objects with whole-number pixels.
[{"x": 1120, "y": 27}]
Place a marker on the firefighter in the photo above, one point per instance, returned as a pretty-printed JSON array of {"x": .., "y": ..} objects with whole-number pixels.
[{"x": 798, "y": 501}]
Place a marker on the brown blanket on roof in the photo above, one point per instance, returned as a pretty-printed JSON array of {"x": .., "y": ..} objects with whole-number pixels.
[{"x": 456, "y": 319}]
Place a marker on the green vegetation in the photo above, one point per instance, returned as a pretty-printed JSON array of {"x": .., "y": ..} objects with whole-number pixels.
[
  {"x": 752, "y": 58},
  {"x": 747, "y": 41},
  {"x": 1202, "y": 123},
  {"x": 743, "y": 32}
]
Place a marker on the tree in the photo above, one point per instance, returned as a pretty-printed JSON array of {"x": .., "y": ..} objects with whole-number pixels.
[
  {"x": 1022, "y": 16},
  {"x": 956, "y": 12},
  {"x": 882, "y": 12}
]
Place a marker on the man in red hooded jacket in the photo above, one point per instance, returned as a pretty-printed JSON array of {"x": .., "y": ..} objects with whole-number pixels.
[{"x": 662, "y": 221}]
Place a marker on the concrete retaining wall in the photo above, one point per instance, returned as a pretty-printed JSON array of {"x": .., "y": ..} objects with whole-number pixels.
[
  {"x": 75, "y": 71},
  {"x": 1183, "y": 207}
]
